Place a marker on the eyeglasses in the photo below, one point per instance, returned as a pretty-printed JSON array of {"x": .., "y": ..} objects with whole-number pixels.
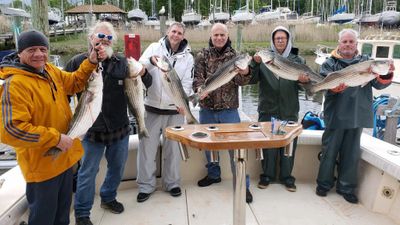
[
  {"x": 280, "y": 39},
  {"x": 101, "y": 36}
]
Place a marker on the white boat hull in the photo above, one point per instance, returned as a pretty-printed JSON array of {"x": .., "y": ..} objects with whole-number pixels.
[
  {"x": 242, "y": 16},
  {"x": 137, "y": 15},
  {"x": 191, "y": 18}
]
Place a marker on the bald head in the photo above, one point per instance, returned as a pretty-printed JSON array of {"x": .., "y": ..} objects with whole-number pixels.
[
  {"x": 219, "y": 35},
  {"x": 217, "y": 26}
]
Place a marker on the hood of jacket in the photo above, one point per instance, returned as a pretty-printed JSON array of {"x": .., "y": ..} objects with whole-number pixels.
[
  {"x": 289, "y": 45},
  {"x": 183, "y": 48}
]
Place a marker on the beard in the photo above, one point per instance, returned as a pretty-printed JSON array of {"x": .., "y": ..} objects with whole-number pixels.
[{"x": 109, "y": 51}]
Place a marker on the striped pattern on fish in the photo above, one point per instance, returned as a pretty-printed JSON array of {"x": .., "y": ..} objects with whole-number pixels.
[
  {"x": 283, "y": 67},
  {"x": 226, "y": 72},
  {"x": 134, "y": 89},
  {"x": 86, "y": 112},
  {"x": 173, "y": 86},
  {"x": 354, "y": 75}
]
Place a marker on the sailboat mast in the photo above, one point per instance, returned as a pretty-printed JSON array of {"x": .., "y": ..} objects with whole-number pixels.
[
  {"x": 312, "y": 7},
  {"x": 153, "y": 8}
]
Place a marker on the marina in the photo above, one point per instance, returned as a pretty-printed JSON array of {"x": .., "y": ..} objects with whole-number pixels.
[{"x": 250, "y": 24}]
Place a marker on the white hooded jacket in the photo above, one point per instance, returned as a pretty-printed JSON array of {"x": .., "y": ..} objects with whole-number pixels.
[{"x": 182, "y": 61}]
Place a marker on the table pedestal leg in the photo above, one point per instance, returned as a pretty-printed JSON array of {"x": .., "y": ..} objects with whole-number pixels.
[{"x": 239, "y": 190}]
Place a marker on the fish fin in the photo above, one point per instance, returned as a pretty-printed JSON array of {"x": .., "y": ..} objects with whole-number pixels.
[
  {"x": 192, "y": 121},
  {"x": 276, "y": 76},
  {"x": 194, "y": 99},
  {"x": 307, "y": 88},
  {"x": 144, "y": 133}
]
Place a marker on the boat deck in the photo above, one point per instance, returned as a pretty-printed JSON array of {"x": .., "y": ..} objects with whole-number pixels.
[{"x": 213, "y": 206}]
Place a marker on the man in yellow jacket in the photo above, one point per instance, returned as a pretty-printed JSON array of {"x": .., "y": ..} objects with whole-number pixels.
[{"x": 35, "y": 115}]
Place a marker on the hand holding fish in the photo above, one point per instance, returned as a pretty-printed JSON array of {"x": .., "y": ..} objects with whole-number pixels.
[
  {"x": 97, "y": 53},
  {"x": 257, "y": 58},
  {"x": 340, "y": 88},
  {"x": 65, "y": 142},
  {"x": 180, "y": 110},
  {"x": 303, "y": 78},
  {"x": 135, "y": 68},
  {"x": 244, "y": 71},
  {"x": 391, "y": 67},
  {"x": 160, "y": 63},
  {"x": 203, "y": 94}
]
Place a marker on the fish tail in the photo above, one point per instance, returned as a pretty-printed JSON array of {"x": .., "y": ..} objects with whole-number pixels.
[
  {"x": 192, "y": 121},
  {"x": 194, "y": 99},
  {"x": 52, "y": 151},
  {"x": 144, "y": 133}
]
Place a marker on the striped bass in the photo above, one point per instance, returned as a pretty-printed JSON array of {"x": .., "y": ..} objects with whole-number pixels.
[
  {"x": 284, "y": 68},
  {"x": 173, "y": 86},
  {"x": 354, "y": 75},
  {"x": 86, "y": 112},
  {"x": 223, "y": 75},
  {"x": 134, "y": 89}
]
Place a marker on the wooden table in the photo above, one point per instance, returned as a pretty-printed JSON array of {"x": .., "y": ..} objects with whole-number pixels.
[{"x": 237, "y": 136}]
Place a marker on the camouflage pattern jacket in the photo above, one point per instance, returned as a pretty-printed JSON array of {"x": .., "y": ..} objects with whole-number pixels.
[{"x": 206, "y": 63}]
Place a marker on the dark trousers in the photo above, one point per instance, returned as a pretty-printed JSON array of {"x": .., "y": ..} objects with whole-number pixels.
[
  {"x": 346, "y": 144},
  {"x": 286, "y": 164},
  {"x": 50, "y": 201},
  {"x": 269, "y": 162}
]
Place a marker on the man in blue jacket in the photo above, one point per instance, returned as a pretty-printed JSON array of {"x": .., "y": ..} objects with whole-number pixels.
[{"x": 347, "y": 110}]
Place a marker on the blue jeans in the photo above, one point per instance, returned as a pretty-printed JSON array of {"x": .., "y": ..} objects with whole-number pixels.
[
  {"x": 220, "y": 116},
  {"x": 116, "y": 155}
]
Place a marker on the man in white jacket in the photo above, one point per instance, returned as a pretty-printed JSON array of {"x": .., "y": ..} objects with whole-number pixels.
[{"x": 161, "y": 113}]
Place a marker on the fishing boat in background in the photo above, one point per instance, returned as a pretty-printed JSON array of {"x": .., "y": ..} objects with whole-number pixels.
[
  {"x": 217, "y": 14},
  {"x": 54, "y": 15},
  {"x": 389, "y": 16},
  {"x": 136, "y": 14},
  {"x": 243, "y": 14},
  {"x": 267, "y": 14},
  {"x": 190, "y": 17},
  {"x": 152, "y": 20},
  {"x": 342, "y": 15}
]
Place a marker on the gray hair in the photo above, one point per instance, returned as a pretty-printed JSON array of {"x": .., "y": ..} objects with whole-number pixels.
[
  {"x": 178, "y": 24},
  {"x": 348, "y": 31},
  {"x": 105, "y": 25},
  {"x": 223, "y": 26}
]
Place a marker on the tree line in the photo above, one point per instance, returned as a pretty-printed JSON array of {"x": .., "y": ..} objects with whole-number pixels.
[{"x": 320, "y": 7}]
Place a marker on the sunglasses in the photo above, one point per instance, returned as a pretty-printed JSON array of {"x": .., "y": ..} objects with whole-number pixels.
[{"x": 101, "y": 36}]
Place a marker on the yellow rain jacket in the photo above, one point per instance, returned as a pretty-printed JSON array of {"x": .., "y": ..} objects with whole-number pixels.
[{"x": 34, "y": 111}]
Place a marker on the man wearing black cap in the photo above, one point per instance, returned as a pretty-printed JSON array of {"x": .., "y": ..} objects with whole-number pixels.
[{"x": 35, "y": 117}]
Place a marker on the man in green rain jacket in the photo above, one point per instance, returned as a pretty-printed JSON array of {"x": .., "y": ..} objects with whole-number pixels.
[
  {"x": 278, "y": 98},
  {"x": 347, "y": 110}
]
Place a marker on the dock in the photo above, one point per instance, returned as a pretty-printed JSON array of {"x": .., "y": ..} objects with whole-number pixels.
[{"x": 8, "y": 38}]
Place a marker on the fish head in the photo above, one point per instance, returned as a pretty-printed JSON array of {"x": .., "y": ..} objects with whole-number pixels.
[
  {"x": 95, "y": 82},
  {"x": 134, "y": 67},
  {"x": 380, "y": 67},
  {"x": 243, "y": 61},
  {"x": 266, "y": 56},
  {"x": 163, "y": 64}
]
